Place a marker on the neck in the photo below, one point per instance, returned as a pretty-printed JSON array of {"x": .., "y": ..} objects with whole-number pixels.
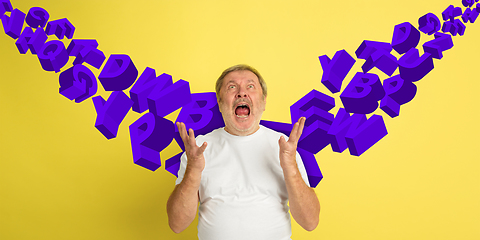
[{"x": 246, "y": 132}]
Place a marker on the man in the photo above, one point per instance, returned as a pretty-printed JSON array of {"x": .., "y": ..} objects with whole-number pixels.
[{"x": 242, "y": 175}]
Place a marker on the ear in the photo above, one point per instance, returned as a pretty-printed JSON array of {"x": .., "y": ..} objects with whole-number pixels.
[
  {"x": 219, "y": 105},
  {"x": 265, "y": 101}
]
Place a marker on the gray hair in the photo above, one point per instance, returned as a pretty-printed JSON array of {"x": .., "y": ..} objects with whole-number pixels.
[{"x": 240, "y": 67}]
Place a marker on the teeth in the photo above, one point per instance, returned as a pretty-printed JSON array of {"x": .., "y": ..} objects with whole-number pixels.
[{"x": 242, "y": 116}]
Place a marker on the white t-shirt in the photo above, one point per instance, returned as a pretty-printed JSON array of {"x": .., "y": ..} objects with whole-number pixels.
[{"x": 242, "y": 189}]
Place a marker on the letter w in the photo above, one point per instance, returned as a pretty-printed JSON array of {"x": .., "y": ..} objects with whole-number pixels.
[{"x": 355, "y": 132}]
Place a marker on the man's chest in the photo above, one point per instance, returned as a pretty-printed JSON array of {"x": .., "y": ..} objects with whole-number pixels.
[{"x": 242, "y": 172}]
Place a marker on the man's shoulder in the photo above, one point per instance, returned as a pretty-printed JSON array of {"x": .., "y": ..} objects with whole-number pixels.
[
  {"x": 271, "y": 132},
  {"x": 216, "y": 133}
]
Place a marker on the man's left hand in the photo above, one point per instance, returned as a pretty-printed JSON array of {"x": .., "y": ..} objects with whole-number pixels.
[{"x": 288, "y": 149}]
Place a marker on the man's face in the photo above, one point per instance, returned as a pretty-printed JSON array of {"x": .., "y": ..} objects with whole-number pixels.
[{"x": 241, "y": 102}]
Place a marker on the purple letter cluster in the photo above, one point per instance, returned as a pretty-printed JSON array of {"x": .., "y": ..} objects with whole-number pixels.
[
  {"x": 152, "y": 132},
  {"x": 362, "y": 94}
]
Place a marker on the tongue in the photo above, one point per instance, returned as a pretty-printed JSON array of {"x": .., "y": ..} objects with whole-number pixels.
[{"x": 242, "y": 111}]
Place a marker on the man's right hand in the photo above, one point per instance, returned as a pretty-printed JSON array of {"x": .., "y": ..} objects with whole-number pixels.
[
  {"x": 182, "y": 203},
  {"x": 196, "y": 160}
]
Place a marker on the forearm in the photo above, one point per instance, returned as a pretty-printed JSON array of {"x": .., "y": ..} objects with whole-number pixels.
[
  {"x": 183, "y": 202},
  {"x": 303, "y": 201}
]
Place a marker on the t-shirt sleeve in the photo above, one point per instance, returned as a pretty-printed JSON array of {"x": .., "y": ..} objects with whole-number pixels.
[
  {"x": 183, "y": 167},
  {"x": 302, "y": 169}
]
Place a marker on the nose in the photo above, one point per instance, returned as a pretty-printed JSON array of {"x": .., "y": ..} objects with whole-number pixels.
[{"x": 242, "y": 92}]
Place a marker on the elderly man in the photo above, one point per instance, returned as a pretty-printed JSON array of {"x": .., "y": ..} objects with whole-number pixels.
[{"x": 244, "y": 174}]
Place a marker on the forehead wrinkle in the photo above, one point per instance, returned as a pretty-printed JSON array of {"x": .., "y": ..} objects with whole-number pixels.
[{"x": 233, "y": 81}]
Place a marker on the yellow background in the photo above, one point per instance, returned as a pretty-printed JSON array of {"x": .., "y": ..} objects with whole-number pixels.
[{"x": 61, "y": 179}]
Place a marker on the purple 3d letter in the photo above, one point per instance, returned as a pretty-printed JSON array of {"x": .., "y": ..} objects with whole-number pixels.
[
  {"x": 451, "y": 12},
  {"x": 314, "y": 107},
  {"x": 429, "y": 23},
  {"x": 30, "y": 40},
  {"x": 172, "y": 165},
  {"x": 61, "y": 28},
  {"x": 441, "y": 43},
  {"x": 159, "y": 94},
  {"x": 37, "y": 17},
  {"x": 362, "y": 93},
  {"x": 119, "y": 73},
  {"x": 13, "y": 25},
  {"x": 85, "y": 50},
  {"x": 405, "y": 37},
  {"x": 356, "y": 132},
  {"x": 313, "y": 171},
  {"x": 335, "y": 70},
  {"x": 285, "y": 128},
  {"x": 454, "y": 27},
  {"x": 469, "y": 15},
  {"x": 111, "y": 113},
  {"x": 167, "y": 97},
  {"x": 201, "y": 114},
  {"x": 53, "y": 56},
  {"x": 5, "y": 6},
  {"x": 377, "y": 54},
  {"x": 397, "y": 92},
  {"x": 78, "y": 83},
  {"x": 149, "y": 135},
  {"x": 468, "y": 3},
  {"x": 142, "y": 88},
  {"x": 412, "y": 67}
]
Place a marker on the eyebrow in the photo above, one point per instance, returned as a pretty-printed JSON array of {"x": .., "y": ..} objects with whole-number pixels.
[{"x": 249, "y": 80}]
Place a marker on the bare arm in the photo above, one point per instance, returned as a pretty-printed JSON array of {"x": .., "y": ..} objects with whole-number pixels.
[
  {"x": 303, "y": 201},
  {"x": 182, "y": 203},
  {"x": 304, "y": 204}
]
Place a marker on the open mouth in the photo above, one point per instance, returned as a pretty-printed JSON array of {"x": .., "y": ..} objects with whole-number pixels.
[{"x": 242, "y": 111}]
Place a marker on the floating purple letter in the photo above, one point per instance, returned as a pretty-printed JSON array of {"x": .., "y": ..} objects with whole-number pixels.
[
  {"x": 284, "y": 128},
  {"x": 37, "y": 17},
  {"x": 149, "y": 135},
  {"x": 362, "y": 93},
  {"x": 314, "y": 107},
  {"x": 441, "y": 43},
  {"x": 201, "y": 114},
  {"x": 413, "y": 67},
  {"x": 470, "y": 15},
  {"x": 429, "y": 23},
  {"x": 356, "y": 132},
  {"x": 172, "y": 164},
  {"x": 53, "y": 56},
  {"x": 397, "y": 92},
  {"x": 454, "y": 27},
  {"x": 119, "y": 73},
  {"x": 78, "y": 83},
  {"x": 5, "y": 6},
  {"x": 61, "y": 28},
  {"x": 405, "y": 37},
  {"x": 335, "y": 71},
  {"x": 30, "y": 40},
  {"x": 111, "y": 113},
  {"x": 377, "y": 54},
  {"x": 313, "y": 171},
  {"x": 13, "y": 25},
  {"x": 451, "y": 12},
  {"x": 166, "y": 97},
  {"x": 85, "y": 50}
]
